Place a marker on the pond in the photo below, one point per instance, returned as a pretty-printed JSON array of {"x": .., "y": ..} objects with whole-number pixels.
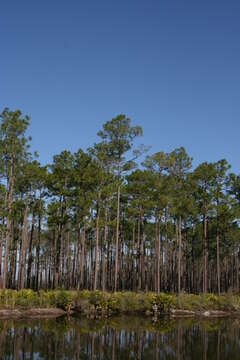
[{"x": 120, "y": 338}]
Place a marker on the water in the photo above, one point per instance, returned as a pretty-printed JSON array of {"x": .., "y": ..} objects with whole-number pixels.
[{"x": 120, "y": 338}]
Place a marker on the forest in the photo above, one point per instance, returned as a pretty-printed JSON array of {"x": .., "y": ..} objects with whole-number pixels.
[{"x": 115, "y": 217}]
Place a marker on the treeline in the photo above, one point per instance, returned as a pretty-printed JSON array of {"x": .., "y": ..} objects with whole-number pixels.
[{"x": 103, "y": 219}]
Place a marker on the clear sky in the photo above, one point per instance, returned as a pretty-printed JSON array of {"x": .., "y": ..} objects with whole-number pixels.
[{"x": 173, "y": 66}]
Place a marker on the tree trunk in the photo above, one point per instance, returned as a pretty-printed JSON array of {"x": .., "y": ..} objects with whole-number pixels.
[
  {"x": 179, "y": 252},
  {"x": 38, "y": 243},
  {"x": 59, "y": 246},
  {"x": 96, "y": 252},
  {"x": 104, "y": 253},
  {"x": 30, "y": 256},
  {"x": 205, "y": 254},
  {"x": 158, "y": 253},
  {"x": 237, "y": 269},
  {"x": 139, "y": 254},
  {"x": 117, "y": 227},
  {"x": 8, "y": 227},
  {"x": 22, "y": 260},
  {"x": 218, "y": 265},
  {"x": 1, "y": 242},
  {"x": 82, "y": 256},
  {"x": 2, "y": 238}
]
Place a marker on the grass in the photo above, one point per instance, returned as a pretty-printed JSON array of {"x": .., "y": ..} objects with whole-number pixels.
[{"x": 96, "y": 302}]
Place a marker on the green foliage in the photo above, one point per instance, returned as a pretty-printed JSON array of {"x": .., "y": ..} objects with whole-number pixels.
[
  {"x": 164, "y": 302},
  {"x": 98, "y": 299},
  {"x": 64, "y": 300},
  {"x": 162, "y": 210},
  {"x": 119, "y": 302},
  {"x": 31, "y": 299},
  {"x": 119, "y": 135},
  {"x": 27, "y": 297},
  {"x": 204, "y": 302},
  {"x": 129, "y": 302}
]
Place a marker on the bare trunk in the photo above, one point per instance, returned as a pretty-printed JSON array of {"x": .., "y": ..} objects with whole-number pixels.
[
  {"x": 237, "y": 270},
  {"x": 218, "y": 265},
  {"x": 205, "y": 254},
  {"x": 179, "y": 252},
  {"x": 1, "y": 241},
  {"x": 117, "y": 228},
  {"x": 82, "y": 256},
  {"x": 218, "y": 254},
  {"x": 96, "y": 253},
  {"x": 38, "y": 245},
  {"x": 59, "y": 246},
  {"x": 138, "y": 254},
  {"x": 22, "y": 260},
  {"x": 30, "y": 256},
  {"x": 158, "y": 254},
  {"x": 8, "y": 227},
  {"x": 2, "y": 238},
  {"x": 104, "y": 253}
]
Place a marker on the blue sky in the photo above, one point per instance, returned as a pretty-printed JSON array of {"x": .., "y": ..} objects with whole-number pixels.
[{"x": 172, "y": 66}]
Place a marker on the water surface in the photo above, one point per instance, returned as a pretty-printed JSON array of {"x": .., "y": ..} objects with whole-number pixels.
[{"x": 120, "y": 338}]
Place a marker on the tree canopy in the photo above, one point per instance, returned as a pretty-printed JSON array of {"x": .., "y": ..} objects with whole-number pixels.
[{"x": 105, "y": 218}]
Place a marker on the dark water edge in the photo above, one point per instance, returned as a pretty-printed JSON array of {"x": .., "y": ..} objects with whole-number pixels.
[{"x": 127, "y": 337}]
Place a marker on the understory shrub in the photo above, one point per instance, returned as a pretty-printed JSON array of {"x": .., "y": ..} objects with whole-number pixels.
[
  {"x": 64, "y": 300},
  {"x": 119, "y": 302},
  {"x": 164, "y": 302}
]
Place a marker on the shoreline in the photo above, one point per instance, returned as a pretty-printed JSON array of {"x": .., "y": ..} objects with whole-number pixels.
[
  {"x": 48, "y": 313},
  {"x": 32, "y": 313},
  {"x": 96, "y": 304}
]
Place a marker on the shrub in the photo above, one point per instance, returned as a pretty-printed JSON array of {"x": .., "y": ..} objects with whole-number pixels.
[
  {"x": 64, "y": 300},
  {"x": 164, "y": 302},
  {"x": 99, "y": 300},
  {"x": 125, "y": 301},
  {"x": 27, "y": 298}
]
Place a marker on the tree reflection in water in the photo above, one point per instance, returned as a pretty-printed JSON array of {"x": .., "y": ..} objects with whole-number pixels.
[{"x": 120, "y": 338}]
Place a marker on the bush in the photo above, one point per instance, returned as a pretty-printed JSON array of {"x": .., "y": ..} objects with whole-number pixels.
[
  {"x": 8, "y": 298},
  {"x": 119, "y": 302},
  {"x": 27, "y": 298},
  {"x": 64, "y": 300},
  {"x": 98, "y": 299},
  {"x": 163, "y": 302}
]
